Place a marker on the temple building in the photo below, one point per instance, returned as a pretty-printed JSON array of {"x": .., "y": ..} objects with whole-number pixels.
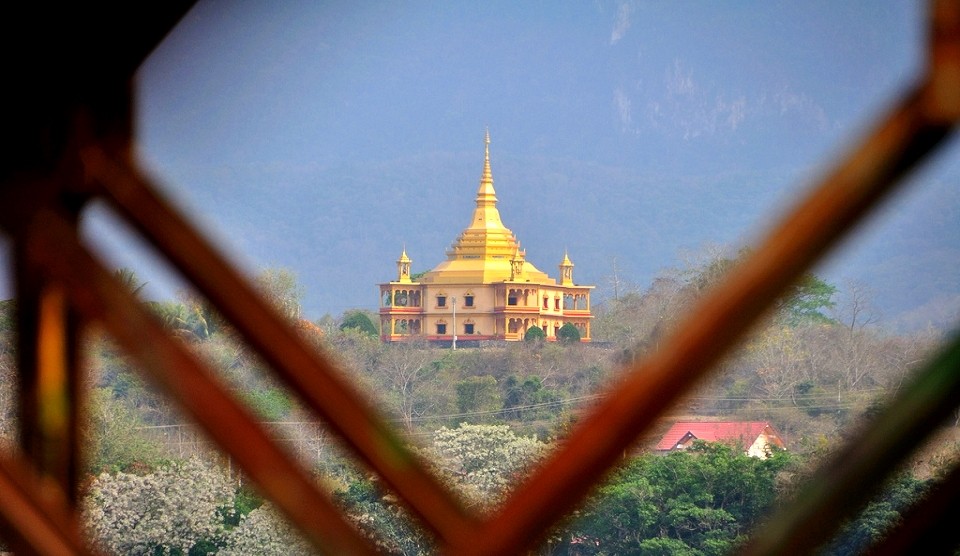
[{"x": 485, "y": 290}]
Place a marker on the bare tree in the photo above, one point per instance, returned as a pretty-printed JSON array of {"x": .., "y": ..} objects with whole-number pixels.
[
  {"x": 402, "y": 367},
  {"x": 855, "y": 309}
]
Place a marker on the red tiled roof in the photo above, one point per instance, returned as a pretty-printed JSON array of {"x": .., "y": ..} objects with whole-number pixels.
[{"x": 713, "y": 431}]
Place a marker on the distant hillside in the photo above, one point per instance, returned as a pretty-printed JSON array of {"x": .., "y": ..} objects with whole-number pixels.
[{"x": 340, "y": 228}]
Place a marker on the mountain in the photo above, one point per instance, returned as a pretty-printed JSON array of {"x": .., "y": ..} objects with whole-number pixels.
[
  {"x": 325, "y": 137},
  {"x": 341, "y": 228}
]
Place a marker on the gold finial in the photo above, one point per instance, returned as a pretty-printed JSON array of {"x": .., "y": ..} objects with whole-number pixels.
[{"x": 487, "y": 178}]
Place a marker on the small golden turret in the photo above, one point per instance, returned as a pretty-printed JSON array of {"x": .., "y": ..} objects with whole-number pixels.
[
  {"x": 403, "y": 267},
  {"x": 566, "y": 270}
]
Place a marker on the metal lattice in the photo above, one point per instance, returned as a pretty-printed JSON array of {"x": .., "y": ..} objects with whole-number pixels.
[{"x": 69, "y": 137}]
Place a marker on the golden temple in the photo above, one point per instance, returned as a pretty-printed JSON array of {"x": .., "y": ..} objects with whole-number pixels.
[{"x": 485, "y": 289}]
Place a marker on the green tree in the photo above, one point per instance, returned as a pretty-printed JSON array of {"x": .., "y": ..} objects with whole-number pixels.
[
  {"x": 115, "y": 435},
  {"x": 806, "y": 301},
  {"x": 877, "y": 517},
  {"x": 359, "y": 320},
  {"x": 478, "y": 394},
  {"x": 568, "y": 334},
  {"x": 381, "y": 519},
  {"x": 699, "y": 501},
  {"x": 534, "y": 334},
  {"x": 528, "y": 399}
]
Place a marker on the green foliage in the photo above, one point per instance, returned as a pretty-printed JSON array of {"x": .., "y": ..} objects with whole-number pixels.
[
  {"x": 245, "y": 500},
  {"x": 534, "y": 334},
  {"x": 270, "y": 404},
  {"x": 477, "y": 394},
  {"x": 116, "y": 436},
  {"x": 805, "y": 301},
  {"x": 528, "y": 400},
  {"x": 192, "y": 317},
  {"x": 568, "y": 334},
  {"x": 699, "y": 501},
  {"x": 361, "y": 321},
  {"x": 382, "y": 520},
  {"x": 874, "y": 520}
]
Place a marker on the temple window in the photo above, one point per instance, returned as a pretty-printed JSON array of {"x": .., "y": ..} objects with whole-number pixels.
[
  {"x": 468, "y": 328},
  {"x": 568, "y": 302},
  {"x": 546, "y": 302},
  {"x": 441, "y": 301},
  {"x": 556, "y": 304},
  {"x": 468, "y": 300},
  {"x": 441, "y": 329},
  {"x": 386, "y": 299},
  {"x": 512, "y": 298}
]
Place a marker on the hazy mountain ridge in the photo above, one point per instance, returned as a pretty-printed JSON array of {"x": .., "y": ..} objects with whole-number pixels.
[{"x": 317, "y": 221}]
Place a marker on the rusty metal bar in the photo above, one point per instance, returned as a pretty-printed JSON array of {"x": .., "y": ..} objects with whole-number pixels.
[
  {"x": 849, "y": 478},
  {"x": 98, "y": 297},
  {"x": 36, "y": 519},
  {"x": 50, "y": 399},
  {"x": 305, "y": 371},
  {"x": 725, "y": 314}
]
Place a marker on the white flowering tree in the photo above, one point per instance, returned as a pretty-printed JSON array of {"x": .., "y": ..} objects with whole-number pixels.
[
  {"x": 175, "y": 508},
  {"x": 265, "y": 533},
  {"x": 484, "y": 461}
]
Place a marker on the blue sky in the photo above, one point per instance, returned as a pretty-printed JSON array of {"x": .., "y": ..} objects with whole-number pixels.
[{"x": 280, "y": 97}]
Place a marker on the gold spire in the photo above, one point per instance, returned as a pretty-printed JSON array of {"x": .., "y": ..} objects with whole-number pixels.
[
  {"x": 485, "y": 251},
  {"x": 486, "y": 192},
  {"x": 486, "y": 217}
]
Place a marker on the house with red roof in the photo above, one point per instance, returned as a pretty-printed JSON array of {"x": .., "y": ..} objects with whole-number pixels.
[{"x": 756, "y": 438}]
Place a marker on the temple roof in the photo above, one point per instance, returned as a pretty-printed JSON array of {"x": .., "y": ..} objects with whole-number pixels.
[{"x": 482, "y": 253}]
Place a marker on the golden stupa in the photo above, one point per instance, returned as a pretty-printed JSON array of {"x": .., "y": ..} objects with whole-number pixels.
[{"x": 485, "y": 290}]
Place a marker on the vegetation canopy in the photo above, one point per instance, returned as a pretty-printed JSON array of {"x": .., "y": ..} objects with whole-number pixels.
[{"x": 486, "y": 415}]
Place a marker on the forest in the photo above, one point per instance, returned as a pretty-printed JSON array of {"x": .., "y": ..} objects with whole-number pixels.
[{"x": 820, "y": 364}]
